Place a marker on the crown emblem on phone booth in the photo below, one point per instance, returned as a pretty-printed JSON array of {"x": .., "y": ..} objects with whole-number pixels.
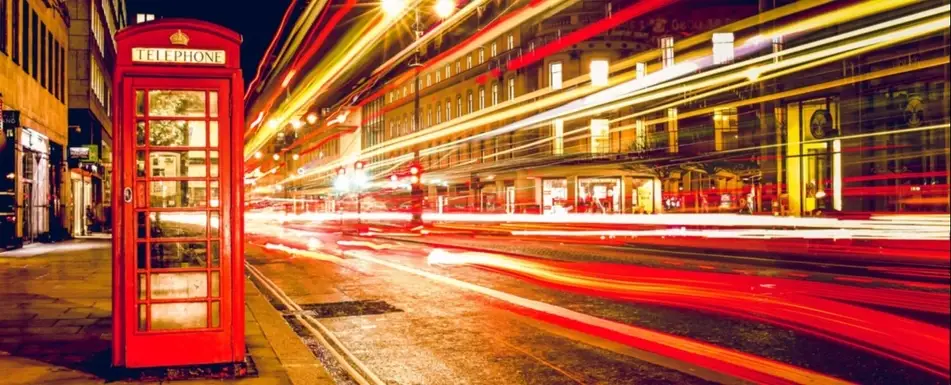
[{"x": 179, "y": 38}]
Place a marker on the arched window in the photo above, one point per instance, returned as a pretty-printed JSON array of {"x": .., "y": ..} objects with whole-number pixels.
[
  {"x": 448, "y": 110},
  {"x": 459, "y": 106},
  {"x": 481, "y": 97},
  {"x": 469, "y": 102}
]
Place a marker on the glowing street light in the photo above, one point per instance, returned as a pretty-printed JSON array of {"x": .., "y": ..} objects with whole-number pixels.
[
  {"x": 312, "y": 118},
  {"x": 295, "y": 156},
  {"x": 276, "y": 157},
  {"x": 296, "y": 123},
  {"x": 445, "y": 8},
  {"x": 258, "y": 155},
  {"x": 392, "y": 8}
]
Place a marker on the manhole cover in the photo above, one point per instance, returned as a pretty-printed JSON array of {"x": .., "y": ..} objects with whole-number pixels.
[{"x": 349, "y": 308}]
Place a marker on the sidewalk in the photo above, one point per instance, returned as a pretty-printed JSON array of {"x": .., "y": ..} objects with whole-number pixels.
[{"x": 56, "y": 325}]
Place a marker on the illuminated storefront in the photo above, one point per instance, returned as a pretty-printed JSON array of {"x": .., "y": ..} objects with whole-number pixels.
[{"x": 600, "y": 195}]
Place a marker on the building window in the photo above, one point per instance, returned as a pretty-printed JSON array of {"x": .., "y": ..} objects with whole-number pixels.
[
  {"x": 599, "y": 72},
  {"x": 495, "y": 93},
  {"x": 469, "y": 62},
  {"x": 667, "y": 51},
  {"x": 722, "y": 48},
  {"x": 481, "y": 97},
  {"x": 429, "y": 116},
  {"x": 62, "y": 74},
  {"x": 144, "y": 17},
  {"x": 448, "y": 71},
  {"x": 554, "y": 75},
  {"x": 470, "y": 103},
  {"x": 600, "y": 139},
  {"x": 3, "y": 26},
  {"x": 438, "y": 114},
  {"x": 97, "y": 30},
  {"x": 15, "y": 31},
  {"x": 25, "y": 36},
  {"x": 438, "y": 77},
  {"x": 725, "y": 125},
  {"x": 458, "y": 67},
  {"x": 495, "y": 49},
  {"x": 511, "y": 89},
  {"x": 481, "y": 55},
  {"x": 405, "y": 93},
  {"x": 34, "y": 68},
  {"x": 458, "y": 105},
  {"x": 640, "y": 70},
  {"x": 49, "y": 61},
  {"x": 448, "y": 110},
  {"x": 558, "y": 137},
  {"x": 511, "y": 41},
  {"x": 41, "y": 36}
]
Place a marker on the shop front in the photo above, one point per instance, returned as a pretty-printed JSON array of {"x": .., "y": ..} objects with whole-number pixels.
[
  {"x": 34, "y": 184},
  {"x": 601, "y": 195},
  {"x": 555, "y": 196}
]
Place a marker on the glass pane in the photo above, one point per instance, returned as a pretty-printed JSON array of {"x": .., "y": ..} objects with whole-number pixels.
[
  {"x": 142, "y": 318},
  {"x": 140, "y": 224},
  {"x": 178, "y": 316},
  {"x": 142, "y": 286},
  {"x": 213, "y": 103},
  {"x": 215, "y": 253},
  {"x": 140, "y": 133},
  {"x": 215, "y": 284},
  {"x": 214, "y": 224},
  {"x": 141, "y": 197},
  {"x": 215, "y": 314},
  {"x": 185, "y": 193},
  {"x": 215, "y": 198},
  {"x": 178, "y": 164},
  {"x": 179, "y": 255},
  {"x": 213, "y": 158},
  {"x": 177, "y": 103},
  {"x": 213, "y": 133},
  {"x": 140, "y": 164},
  {"x": 179, "y": 285},
  {"x": 139, "y": 103},
  {"x": 177, "y": 133},
  {"x": 140, "y": 254},
  {"x": 178, "y": 225}
]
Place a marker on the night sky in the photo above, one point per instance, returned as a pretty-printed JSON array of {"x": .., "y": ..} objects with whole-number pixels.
[{"x": 256, "y": 20}]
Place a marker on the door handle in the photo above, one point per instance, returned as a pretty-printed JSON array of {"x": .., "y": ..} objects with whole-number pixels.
[{"x": 127, "y": 194}]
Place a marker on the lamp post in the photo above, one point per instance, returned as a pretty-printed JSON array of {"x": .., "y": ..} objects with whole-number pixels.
[
  {"x": 341, "y": 185},
  {"x": 359, "y": 182}
]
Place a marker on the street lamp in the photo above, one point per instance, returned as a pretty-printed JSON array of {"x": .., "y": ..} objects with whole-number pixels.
[
  {"x": 277, "y": 157},
  {"x": 445, "y": 8},
  {"x": 312, "y": 118},
  {"x": 258, "y": 155},
  {"x": 392, "y": 8}
]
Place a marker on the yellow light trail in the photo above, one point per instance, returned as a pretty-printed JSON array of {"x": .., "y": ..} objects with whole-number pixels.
[{"x": 489, "y": 115}]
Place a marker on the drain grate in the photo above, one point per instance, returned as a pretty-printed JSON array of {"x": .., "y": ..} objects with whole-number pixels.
[{"x": 349, "y": 309}]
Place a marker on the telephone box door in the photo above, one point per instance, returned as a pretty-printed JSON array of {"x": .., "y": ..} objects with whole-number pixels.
[{"x": 179, "y": 297}]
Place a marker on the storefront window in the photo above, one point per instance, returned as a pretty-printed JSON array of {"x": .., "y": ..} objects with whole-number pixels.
[
  {"x": 599, "y": 195},
  {"x": 555, "y": 196}
]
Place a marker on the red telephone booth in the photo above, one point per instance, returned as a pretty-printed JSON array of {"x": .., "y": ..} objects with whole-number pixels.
[{"x": 178, "y": 274}]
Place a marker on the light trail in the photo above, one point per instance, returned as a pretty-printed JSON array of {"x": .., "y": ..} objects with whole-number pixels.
[
  {"x": 738, "y": 364},
  {"x": 787, "y": 303},
  {"x": 739, "y": 73}
]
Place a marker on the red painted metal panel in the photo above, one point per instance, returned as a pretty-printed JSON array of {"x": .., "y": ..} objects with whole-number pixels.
[{"x": 160, "y": 338}]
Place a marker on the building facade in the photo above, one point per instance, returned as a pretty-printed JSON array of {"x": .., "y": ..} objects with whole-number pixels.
[
  {"x": 863, "y": 132},
  {"x": 34, "y": 189},
  {"x": 92, "y": 57}
]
